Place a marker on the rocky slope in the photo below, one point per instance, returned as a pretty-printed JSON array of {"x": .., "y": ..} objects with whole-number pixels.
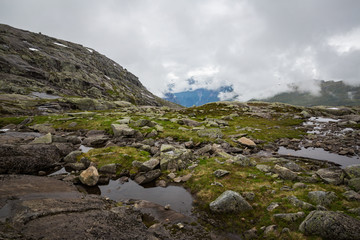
[
  {"x": 227, "y": 154},
  {"x": 38, "y": 64}
]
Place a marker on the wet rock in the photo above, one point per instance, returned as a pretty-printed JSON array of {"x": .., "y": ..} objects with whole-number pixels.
[
  {"x": 149, "y": 165},
  {"x": 29, "y": 158},
  {"x": 331, "y": 225},
  {"x": 46, "y": 139},
  {"x": 289, "y": 217},
  {"x": 142, "y": 178},
  {"x": 213, "y": 133},
  {"x": 263, "y": 168},
  {"x": 90, "y": 176},
  {"x": 301, "y": 204},
  {"x": 333, "y": 176},
  {"x": 230, "y": 201},
  {"x": 72, "y": 157},
  {"x": 322, "y": 198},
  {"x": 284, "y": 173},
  {"x": 247, "y": 142},
  {"x": 353, "y": 171},
  {"x": 108, "y": 169},
  {"x": 121, "y": 130},
  {"x": 221, "y": 173},
  {"x": 354, "y": 183},
  {"x": 351, "y": 195}
]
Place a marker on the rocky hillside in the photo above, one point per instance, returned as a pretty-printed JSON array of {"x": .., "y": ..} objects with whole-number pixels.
[{"x": 35, "y": 63}]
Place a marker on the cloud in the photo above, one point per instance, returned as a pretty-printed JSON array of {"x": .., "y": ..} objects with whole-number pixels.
[{"x": 259, "y": 47}]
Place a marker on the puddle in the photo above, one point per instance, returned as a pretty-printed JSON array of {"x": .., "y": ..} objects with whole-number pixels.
[
  {"x": 85, "y": 149},
  {"x": 179, "y": 199},
  {"x": 321, "y": 154},
  {"x": 323, "y": 120},
  {"x": 44, "y": 95}
]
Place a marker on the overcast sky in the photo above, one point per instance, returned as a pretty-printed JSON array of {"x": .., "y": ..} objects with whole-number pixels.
[{"x": 260, "y": 47}]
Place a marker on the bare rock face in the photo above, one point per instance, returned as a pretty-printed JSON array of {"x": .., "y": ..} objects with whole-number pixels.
[
  {"x": 90, "y": 176},
  {"x": 331, "y": 225}
]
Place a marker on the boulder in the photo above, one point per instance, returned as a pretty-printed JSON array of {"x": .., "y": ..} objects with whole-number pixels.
[
  {"x": 263, "y": 168},
  {"x": 333, "y": 176},
  {"x": 322, "y": 198},
  {"x": 121, "y": 130},
  {"x": 289, "y": 217},
  {"x": 108, "y": 169},
  {"x": 354, "y": 183},
  {"x": 353, "y": 171},
  {"x": 331, "y": 225},
  {"x": 230, "y": 201},
  {"x": 43, "y": 128},
  {"x": 190, "y": 122},
  {"x": 28, "y": 158},
  {"x": 293, "y": 166},
  {"x": 90, "y": 176},
  {"x": 351, "y": 195},
  {"x": 46, "y": 139},
  {"x": 95, "y": 141},
  {"x": 299, "y": 185},
  {"x": 176, "y": 159},
  {"x": 72, "y": 157},
  {"x": 207, "y": 148},
  {"x": 142, "y": 178},
  {"x": 221, "y": 173},
  {"x": 247, "y": 142},
  {"x": 284, "y": 173},
  {"x": 149, "y": 165},
  {"x": 77, "y": 166}
]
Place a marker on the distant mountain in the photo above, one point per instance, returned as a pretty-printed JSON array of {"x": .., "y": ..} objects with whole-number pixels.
[
  {"x": 197, "y": 97},
  {"x": 333, "y": 93},
  {"x": 32, "y": 62}
]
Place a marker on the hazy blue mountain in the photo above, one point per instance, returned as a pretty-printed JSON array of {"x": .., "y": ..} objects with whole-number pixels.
[{"x": 196, "y": 97}]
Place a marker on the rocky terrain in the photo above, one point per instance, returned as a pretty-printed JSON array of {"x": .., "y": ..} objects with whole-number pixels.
[
  {"x": 34, "y": 66},
  {"x": 229, "y": 155}
]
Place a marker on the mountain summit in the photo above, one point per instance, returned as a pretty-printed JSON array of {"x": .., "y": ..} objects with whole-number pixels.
[{"x": 35, "y": 63}]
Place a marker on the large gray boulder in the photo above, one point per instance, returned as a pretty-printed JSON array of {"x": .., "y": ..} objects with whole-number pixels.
[
  {"x": 72, "y": 157},
  {"x": 28, "y": 158},
  {"x": 333, "y": 176},
  {"x": 331, "y": 225},
  {"x": 230, "y": 201},
  {"x": 149, "y": 165},
  {"x": 322, "y": 198},
  {"x": 172, "y": 158}
]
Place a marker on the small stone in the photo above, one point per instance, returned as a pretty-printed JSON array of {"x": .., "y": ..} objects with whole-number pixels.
[
  {"x": 270, "y": 229},
  {"x": 41, "y": 173},
  {"x": 285, "y": 231},
  {"x": 167, "y": 207},
  {"x": 247, "y": 142},
  {"x": 221, "y": 173},
  {"x": 272, "y": 206},
  {"x": 171, "y": 175},
  {"x": 217, "y": 184},
  {"x": 180, "y": 225},
  {"x": 263, "y": 168}
]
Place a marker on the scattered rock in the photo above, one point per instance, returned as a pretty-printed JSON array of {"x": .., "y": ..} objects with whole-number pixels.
[
  {"x": 190, "y": 122},
  {"x": 301, "y": 204},
  {"x": 213, "y": 133},
  {"x": 333, "y": 176},
  {"x": 149, "y": 165},
  {"x": 263, "y": 168},
  {"x": 247, "y": 142},
  {"x": 221, "y": 173},
  {"x": 142, "y": 178},
  {"x": 351, "y": 195},
  {"x": 299, "y": 185},
  {"x": 289, "y": 217},
  {"x": 272, "y": 206},
  {"x": 230, "y": 201},
  {"x": 90, "y": 176},
  {"x": 284, "y": 173},
  {"x": 353, "y": 171},
  {"x": 270, "y": 230},
  {"x": 322, "y": 198},
  {"x": 121, "y": 130},
  {"x": 331, "y": 225},
  {"x": 243, "y": 161},
  {"x": 293, "y": 166},
  {"x": 354, "y": 183}
]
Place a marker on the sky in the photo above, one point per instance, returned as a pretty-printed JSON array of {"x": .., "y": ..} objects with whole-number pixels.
[{"x": 259, "y": 47}]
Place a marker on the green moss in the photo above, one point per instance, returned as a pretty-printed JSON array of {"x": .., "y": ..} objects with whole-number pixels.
[{"x": 11, "y": 120}]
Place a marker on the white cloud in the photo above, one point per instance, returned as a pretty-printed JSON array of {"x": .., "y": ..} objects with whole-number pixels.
[{"x": 347, "y": 42}]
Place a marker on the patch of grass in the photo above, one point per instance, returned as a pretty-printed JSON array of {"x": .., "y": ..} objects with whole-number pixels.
[
  {"x": 123, "y": 156},
  {"x": 11, "y": 120}
]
